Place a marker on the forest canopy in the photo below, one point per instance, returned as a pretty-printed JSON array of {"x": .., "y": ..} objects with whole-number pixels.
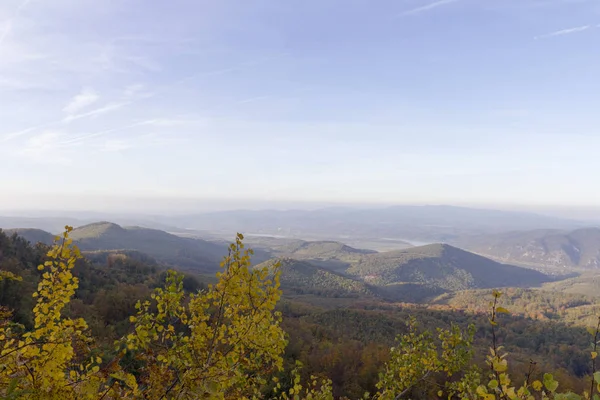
[{"x": 222, "y": 340}]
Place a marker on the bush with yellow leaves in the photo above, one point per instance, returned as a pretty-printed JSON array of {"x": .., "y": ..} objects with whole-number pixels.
[{"x": 225, "y": 343}]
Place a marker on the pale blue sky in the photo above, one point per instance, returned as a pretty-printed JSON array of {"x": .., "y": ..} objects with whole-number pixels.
[{"x": 407, "y": 101}]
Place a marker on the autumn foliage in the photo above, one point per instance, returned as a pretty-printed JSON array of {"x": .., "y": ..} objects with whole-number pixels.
[{"x": 226, "y": 342}]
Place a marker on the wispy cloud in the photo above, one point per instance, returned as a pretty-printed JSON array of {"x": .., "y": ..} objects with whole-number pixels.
[
  {"x": 563, "y": 32},
  {"x": 144, "y": 63},
  {"x": 133, "y": 90},
  {"x": 9, "y": 24},
  {"x": 86, "y": 136},
  {"x": 13, "y": 135},
  {"x": 169, "y": 122},
  {"x": 115, "y": 145},
  {"x": 77, "y": 103},
  {"x": 45, "y": 147},
  {"x": 102, "y": 110},
  {"x": 427, "y": 7},
  {"x": 84, "y": 99},
  {"x": 253, "y": 99}
]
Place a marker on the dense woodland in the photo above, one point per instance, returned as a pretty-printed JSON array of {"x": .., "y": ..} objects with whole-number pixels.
[{"x": 335, "y": 327}]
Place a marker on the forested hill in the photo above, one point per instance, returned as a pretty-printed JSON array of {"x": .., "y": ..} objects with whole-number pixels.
[
  {"x": 335, "y": 325},
  {"x": 193, "y": 254},
  {"x": 411, "y": 275},
  {"x": 414, "y": 274},
  {"x": 32, "y": 235},
  {"x": 324, "y": 249},
  {"x": 541, "y": 248},
  {"x": 110, "y": 282},
  {"x": 302, "y": 277},
  {"x": 441, "y": 266}
]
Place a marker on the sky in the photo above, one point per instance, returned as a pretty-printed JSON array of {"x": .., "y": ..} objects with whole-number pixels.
[{"x": 486, "y": 102}]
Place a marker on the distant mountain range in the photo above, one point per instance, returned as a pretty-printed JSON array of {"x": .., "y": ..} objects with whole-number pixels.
[
  {"x": 419, "y": 223},
  {"x": 317, "y": 266},
  {"x": 49, "y": 224},
  {"x": 416, "y": 224},
  {"x": 579, "y": 248}
]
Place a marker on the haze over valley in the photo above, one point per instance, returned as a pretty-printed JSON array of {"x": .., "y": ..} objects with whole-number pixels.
[
  {"x": 308, "y": 200},
  {"x": 345, "y": 240}
]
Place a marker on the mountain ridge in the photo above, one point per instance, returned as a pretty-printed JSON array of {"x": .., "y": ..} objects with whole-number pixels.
[
  {"x": 187, "y": 253},
  {"x": 406, "y": 274},
  {"x": 32, "y": 235},
  {"x": 433, "y": 223},
  {"x": 442, "y": 266},
  {"x": 579, "y": 248}
]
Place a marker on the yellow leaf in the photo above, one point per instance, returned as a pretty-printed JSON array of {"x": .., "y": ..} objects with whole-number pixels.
[
  {"x": 500, "y": 366},
  {"x": 502, "y": 310},
  {"x": 537, "y": 385},
  {"x": 594, "y": 355}
]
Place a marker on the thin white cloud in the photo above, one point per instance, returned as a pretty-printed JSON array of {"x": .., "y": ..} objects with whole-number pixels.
[
  {"x": 427, "y": 7},
  {"x": 563, "y": 32},
  {"x": 13, "y": 135},
  {"x": 168, "y": 122},
  {"x": 133, "y": 90},
  {"x": 86, "y": 98},
  {"x": 9, "y": 24},
  {"x": 144, "y": 63},
  {"x": 115, "y": 145},
  {"x": 45, "y": 147},
  {"x": 82, "y": 138},
  {"x": 253, "y": 99},
  {"x": 102, "y": 110}
]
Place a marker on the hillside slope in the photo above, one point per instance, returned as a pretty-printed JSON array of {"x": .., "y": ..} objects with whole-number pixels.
[
  {"x": 441, "y": 266},
  {"x": 32, "y": 235},
  {"x": 188, "y": 253},
  {"x": 302, "y": 277},
  {"x": 541, "y": 248},
  {"x": 325, "y": 250},
  {"x": 531, "y": 303},
  {"x": 587, "y": 284}
]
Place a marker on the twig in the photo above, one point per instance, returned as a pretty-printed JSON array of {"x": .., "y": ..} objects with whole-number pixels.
[
  {"x": 495, "y": 345},
  {"x": 593, "y": 386},
  {"x": 108, "y": 390},
  {"x": 408, "y": 389}
]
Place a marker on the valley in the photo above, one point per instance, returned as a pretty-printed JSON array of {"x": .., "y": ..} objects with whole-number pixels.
[{"x": 346, "y": 296}]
